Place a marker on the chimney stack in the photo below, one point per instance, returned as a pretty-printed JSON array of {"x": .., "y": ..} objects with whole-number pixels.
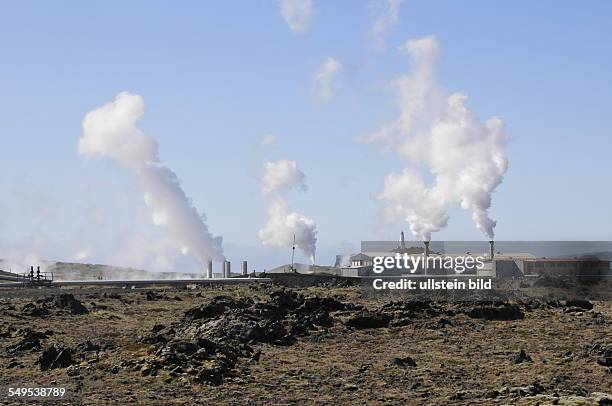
[
  {"x": 227, "y": 269},
  {"x": 209, "y": 270},
  {"x": 402, "y": 241},
  {"x": 245, "y": 270},
  {"x": 426, "y": 256},
  {"x": 492, "y": 254}
]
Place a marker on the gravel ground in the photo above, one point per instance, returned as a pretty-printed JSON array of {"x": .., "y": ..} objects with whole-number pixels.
[{"x": 127, "y": 347}]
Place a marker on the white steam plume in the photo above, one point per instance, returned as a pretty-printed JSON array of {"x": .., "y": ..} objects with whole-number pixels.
[
  {"x": 297, "y": 14},
  {"x": 384, "y": 21},
  {"x": 282, "y": 224},
  {"x": 281, "y": 176},
  {"x": 110, "y": 131},
  {"x": 466, "y": 157},
  {"x": 324, "y": 79}
]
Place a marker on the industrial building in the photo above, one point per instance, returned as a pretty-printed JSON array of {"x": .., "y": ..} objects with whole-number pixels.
[
  {"x": 496, "y": 264},
  {"x": 576, "y": 267}
]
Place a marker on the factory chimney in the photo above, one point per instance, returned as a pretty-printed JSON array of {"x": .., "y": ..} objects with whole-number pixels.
[
  {"x": 492, "y": 254},
  {"x": 209, "y": 269},
  {"x": 402, "y": 241},
  {"x": 245, "y": 267},
  {"x": 426, "y": 256},
  {"x": 226, "y": 268}
]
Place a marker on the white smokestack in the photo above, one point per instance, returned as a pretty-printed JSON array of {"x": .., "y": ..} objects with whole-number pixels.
[
  {"x": 466, "y": 157},
  {"x": 110, "y": 131},
  {"x": 282, "y": 224}
]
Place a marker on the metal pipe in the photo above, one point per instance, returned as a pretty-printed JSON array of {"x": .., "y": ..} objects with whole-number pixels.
[{"x": 139, "y": 283}]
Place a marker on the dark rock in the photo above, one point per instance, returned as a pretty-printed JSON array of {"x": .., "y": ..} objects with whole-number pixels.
[
  {"x": 33, "y": 310},
  {"x": 598, "y": 350},
  {"x": 505, "y": 311},
  {"x": 66, "y": 301},
  {"x": 97, "y": 306},
  {"x": 521, "y": 357},
  {"x": 403, "y": 362},
  {"x": 87, "y": 346},
  {"x": 55, "y": 357},
  {"x": 13, "y": 364},
  {"x": 256, "y": 356},
  {"x": 401, "y": 322},
  {"x": 29, "y": 342},
  {"x": 492, "y": 394},
  {"x": 414, "y": 306},
  {"x": 286, "y": 299},
  {"x": 26, "y": 344},
  {"x": 443, "y": 322},
  {"x": 580, "y": 303},
  {"x": 216, "y": 308},
  {"x": 31, "y": 334},
  {"x": 605, "y": 361},
  {"x": 322, "y": 303},
  {"x": 206, "y": 311},
  {"x": 157, "y": 328},
  {"x": 207, "y": 343},
  {"x": 150, "y": 295},
  {"x": 365, "y": 320}
]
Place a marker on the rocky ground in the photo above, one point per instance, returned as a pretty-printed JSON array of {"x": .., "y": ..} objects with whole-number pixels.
[{"x": 327, "y": 344}]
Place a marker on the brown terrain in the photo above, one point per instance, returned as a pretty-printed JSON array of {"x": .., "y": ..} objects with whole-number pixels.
[{"x": 325, "y": 344}]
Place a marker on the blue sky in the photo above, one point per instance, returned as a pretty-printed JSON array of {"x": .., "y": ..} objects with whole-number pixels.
[{"x": 218, "y": 76}]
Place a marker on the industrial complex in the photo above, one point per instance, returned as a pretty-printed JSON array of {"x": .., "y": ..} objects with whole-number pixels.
[{"x": 492, "y": 263}]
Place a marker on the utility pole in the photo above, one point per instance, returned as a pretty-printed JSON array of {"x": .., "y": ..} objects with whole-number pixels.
[{"x": 293, "y": 254}]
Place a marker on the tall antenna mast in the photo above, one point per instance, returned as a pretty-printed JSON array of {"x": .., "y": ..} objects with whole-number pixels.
[{"x": 293, "y": 254}]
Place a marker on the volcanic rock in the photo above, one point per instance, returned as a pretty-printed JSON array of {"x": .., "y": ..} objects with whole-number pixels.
[
  {"x": 365, "y": 320},
  {"x": 66, "y": 301},
  {"x": 55, "y": 357},
  {"x": 403, "y": 362},
  {"x": 580, "y": 303},
  {"x": 504, "y": 311},
  {"x": 33, "y": 310},
  {"x": 521, "y": 357}
]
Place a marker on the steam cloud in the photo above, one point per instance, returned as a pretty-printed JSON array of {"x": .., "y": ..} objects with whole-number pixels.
[
  {"x": 466, "y": 157},
  {"x": 282, "y": 224},
  {"x": 325, "y": 77},
  {"x": 110, "y": 131},
  {"x": 384, "y": 21},
  {"x": 297, "y": 14},
  {"x": 281, "y": 176}
]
